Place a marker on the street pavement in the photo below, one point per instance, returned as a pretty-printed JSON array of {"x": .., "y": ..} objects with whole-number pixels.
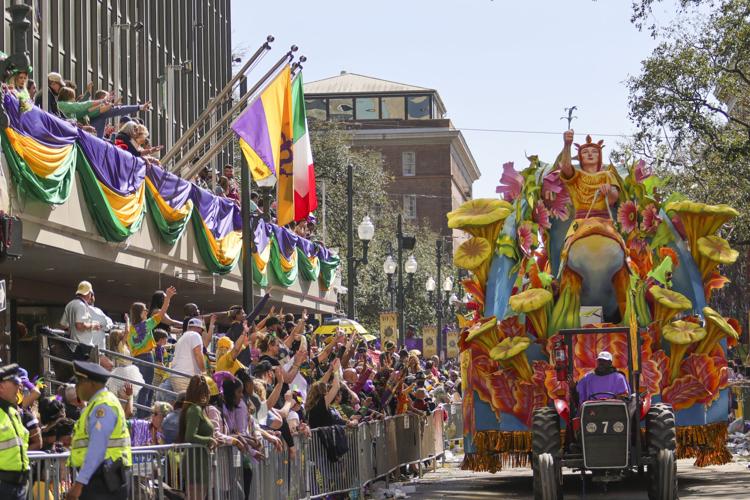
[{"x": 731, "y": 481}]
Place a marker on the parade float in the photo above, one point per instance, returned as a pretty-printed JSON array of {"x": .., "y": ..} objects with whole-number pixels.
[{"x": 588, "y": 245}]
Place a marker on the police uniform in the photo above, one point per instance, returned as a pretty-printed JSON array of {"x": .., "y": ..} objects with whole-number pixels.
[
  {"x": 14, "y": 444},
  {"x": 101, "y": 442}
]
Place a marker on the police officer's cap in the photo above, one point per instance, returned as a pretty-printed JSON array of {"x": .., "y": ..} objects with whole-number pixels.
[
  {"x": 91, "y": 371},
  {"x": 10, "y": 372}
]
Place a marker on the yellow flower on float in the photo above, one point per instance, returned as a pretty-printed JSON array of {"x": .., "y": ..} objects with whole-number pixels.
[
  {"x": 511, "y": 352},
  {"x": 712, "y": 251},
  {"x": 700, "y": 219},
  {"x": 533, "y": 303},
  {"x": 474, "y": 254},
  {"x": 667, "y": 304},
  {"x": 717, "y": 328},
  {"x": 680, "y": 334}
]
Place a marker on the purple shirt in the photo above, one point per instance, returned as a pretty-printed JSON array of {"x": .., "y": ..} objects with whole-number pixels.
[{"x": 592, "y": 383}]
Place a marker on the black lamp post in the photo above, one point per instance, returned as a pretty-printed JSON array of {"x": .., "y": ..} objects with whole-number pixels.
[
  {"x": 398, "y": 267},
  {"x": 444, "y": 300},
  {"x": 365, "y": 232}
]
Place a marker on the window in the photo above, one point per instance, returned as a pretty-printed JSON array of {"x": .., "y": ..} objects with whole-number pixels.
[
  {"x": 393, "y": 108},
  {"x": 316, "y": 109},
  {"x": 410, "y": 206},
  {"x": 408, "y": 163},
  {"x": 418, "y": 107},
  {"x": 340, "y": 109},
  {"x": 366, "y": 108}
]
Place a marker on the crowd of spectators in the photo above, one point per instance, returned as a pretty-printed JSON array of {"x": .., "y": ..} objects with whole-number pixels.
[{"x": 250, "y": 383}]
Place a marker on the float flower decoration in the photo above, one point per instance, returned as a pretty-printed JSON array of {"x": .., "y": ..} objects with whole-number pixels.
[
  {"x": 482, "y": 217},
  {"x": 717, "y": 328},
  {"x": 627, "y": 217},
  {"x": 535, "y": 304},
  {"x": 650, "y": 219},
  {"x": 511, "y": 353},
  {"x": 680, "y": 335},
  {"x": 699, "y": 219},
  {"x": 556, "y": 197},
  {"x": 667, "y": 304},
  {"x": 482, "y": 334},
  {"x": 712, "y": 251},
  {"x": 511, "y": 183},
  {"x": 474, "y": 254}
]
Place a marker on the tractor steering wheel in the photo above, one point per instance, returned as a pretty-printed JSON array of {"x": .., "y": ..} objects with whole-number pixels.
[{"x": 611, "y": 395}]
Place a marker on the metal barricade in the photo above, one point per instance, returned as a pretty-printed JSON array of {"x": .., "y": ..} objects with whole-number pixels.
[
  {"x": 328, "y": 472},
  {"x": 51, "y": 478},
  {"x": 453, "y": 428},
  {"x": 374, "y": 451}
]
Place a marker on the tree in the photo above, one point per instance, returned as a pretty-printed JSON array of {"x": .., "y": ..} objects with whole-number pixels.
[
  {"x": 332, "y": 152},
  {"x": 691, "y": 104}
]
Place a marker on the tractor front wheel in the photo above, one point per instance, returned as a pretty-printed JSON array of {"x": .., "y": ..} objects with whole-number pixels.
[
  {"x": 662, "y": 477},
  {"x": 546, "y": 454}
]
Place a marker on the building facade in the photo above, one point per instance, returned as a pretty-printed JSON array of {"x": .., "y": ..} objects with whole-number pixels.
[
  {"x": 85, "y": 40},
  {"x": 428, "y": 159}
]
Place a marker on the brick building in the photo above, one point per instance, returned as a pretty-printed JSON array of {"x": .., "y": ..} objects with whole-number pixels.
[{"x": 432, "y": 167}]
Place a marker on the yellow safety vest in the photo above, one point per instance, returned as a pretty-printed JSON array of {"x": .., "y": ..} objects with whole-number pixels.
[
  {"x": 118, "y": 446},
  {"x": 14, "y": 442}
]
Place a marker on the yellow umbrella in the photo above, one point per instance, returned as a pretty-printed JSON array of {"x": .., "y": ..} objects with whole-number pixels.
[{"x": 348, "y": 326}]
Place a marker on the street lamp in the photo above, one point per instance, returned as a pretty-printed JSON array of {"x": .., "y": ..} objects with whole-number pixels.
[
  {"x": 365, "y": 233},
  {"x": 398, "y": 267},
  {"x": 445, "y": 299}
]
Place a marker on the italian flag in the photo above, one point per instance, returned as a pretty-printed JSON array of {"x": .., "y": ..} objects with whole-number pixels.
[{"x": 305, "y": 199}]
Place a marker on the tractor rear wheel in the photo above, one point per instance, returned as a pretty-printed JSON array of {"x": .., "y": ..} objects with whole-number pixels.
[
  {"x": 546, "y": 454},
  {"x": 660, "y": 429},
  {"x": 661, "y": 442}
]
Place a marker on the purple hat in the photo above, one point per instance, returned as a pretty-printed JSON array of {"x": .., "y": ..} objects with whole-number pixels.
[{"x": 311, "y": 219}]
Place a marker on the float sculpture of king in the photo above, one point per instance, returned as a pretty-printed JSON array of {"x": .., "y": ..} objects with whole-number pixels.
[{"x": 593, "y": 270}]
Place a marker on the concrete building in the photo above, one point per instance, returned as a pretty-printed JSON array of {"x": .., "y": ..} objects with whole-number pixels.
[
  {"x": 61, "y": 244},
  {"x": 432, "y": 167},
  {"x": 85, "y": 40}
]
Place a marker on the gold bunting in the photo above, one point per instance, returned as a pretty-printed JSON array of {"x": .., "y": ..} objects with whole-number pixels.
[{"x": 388, "y": 328}]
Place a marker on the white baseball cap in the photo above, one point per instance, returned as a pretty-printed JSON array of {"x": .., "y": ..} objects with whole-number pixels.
[
  {"x": 605, "y": 355},
  {"x": 196, "y": 322}
]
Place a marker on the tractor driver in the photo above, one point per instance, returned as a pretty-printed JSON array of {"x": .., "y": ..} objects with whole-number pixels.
[{"x": 604, "y": 381}]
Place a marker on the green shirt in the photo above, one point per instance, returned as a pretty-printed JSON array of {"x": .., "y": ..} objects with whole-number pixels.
[{"x": 78, "y": 110}]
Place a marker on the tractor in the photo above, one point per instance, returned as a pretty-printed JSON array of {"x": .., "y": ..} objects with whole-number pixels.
[{"x": 609, "y": 436}]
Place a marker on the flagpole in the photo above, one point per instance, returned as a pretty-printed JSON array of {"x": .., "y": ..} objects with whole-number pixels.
[
  {"x": 201, "y": 120},
  {"x": 189, "y": 156},
  {"x": 248, "y": 228}
]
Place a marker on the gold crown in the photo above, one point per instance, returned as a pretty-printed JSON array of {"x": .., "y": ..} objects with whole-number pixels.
[{"x": 590, "y": 144}]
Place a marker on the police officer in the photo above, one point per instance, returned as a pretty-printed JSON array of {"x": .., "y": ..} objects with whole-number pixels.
[
  {"x": 101, "y": 441},
  {"x": 14, "y": 438}
]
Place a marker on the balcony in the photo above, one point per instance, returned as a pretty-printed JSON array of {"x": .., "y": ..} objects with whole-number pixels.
[{"x": 93, "y": 211}]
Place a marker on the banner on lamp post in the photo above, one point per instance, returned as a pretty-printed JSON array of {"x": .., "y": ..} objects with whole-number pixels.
[
  {"x": 429, "y": 341},
  {"x": 388, "y": 328},
  {"x": 452, "y": 345}
]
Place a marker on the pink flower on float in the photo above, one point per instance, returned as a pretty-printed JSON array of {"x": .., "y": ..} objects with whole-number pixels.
[
  {"x": 541, "y": 216},
  {"x": 525, "y": 237},
  {"x": 627, "y": 216},
  {"x": 651, "y": 219},
  {"x": 553, "y": 187},
  {"x": 642, "y": 171},
  {"x": 511, "y": 183}
]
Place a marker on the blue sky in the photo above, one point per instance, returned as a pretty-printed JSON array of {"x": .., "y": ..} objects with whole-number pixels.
[{"x": 511, "y": 65}]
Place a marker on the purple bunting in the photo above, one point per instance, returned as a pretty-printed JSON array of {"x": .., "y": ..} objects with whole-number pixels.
[
  {"x": 174, "y": 190},
  {"x": 261, "y": 235},
  {"x": 286, "y": 239},
  {"x": 117, "y": 169},
  {"x": 220, "y": 214},
  {"x": 43, "y": 127},
  {"x": 124, "y": 174}
]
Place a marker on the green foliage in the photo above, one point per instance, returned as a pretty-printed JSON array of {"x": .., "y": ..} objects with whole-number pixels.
[
  {"x": 691, "y": 104},
  {"x": 332, "y": 152}
]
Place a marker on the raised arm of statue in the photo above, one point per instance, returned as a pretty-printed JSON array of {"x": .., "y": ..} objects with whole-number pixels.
[{"x": 566, "y": 159}]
